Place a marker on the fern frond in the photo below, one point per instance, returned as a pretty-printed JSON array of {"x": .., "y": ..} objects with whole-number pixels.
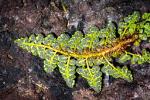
[
  {"x": 129, "y": 24},
  {"x": 116, "y": 72},
  {"x": 68, "y": 72},
  {"x": 140, "y": 58},
  {"x": 93, "y": 76},
  {"x": 62, "y": 41},
  {"x": 124, "y": 57},
  {"x": 85, "y": 54},
  {"x": 75, "y": 41}
]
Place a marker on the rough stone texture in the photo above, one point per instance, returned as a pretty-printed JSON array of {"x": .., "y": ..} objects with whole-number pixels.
[{"x": 21, "y": 74}]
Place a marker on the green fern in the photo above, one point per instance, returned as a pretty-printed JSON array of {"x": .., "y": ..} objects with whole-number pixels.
[
  {"x": 91, "y": 54},
  {"x": 92, "y": 75}
]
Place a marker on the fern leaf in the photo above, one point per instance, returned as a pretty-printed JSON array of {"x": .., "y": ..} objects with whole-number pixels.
[
  {"x": 146, "y": 55},
  {"x": 49, "y": 65},
  {"x": 75, "y": 41},
  {"x": 93, "y": 76},
  {"x": 38, "y": 39},
  {"x": 140, "y": 59},
  {"x": 117, "y": 72},
  {"x": 68, "y": 72},
  {"x": 93, "y": 30},
  {"x": 80, "y": 62},
  {"x": 146, "y": 28},
  {"x": 62, "y": 40},
  {"x": 124, "y": 57},
  {"x": 107, "y": 35},
  {"x": 128, "y": 25},
  {"x": 146, "y": 16},
  {"x": 49, "y": 40}
]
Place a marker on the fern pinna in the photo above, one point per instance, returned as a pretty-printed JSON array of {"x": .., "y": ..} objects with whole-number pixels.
[{"x": 90, "y": 55}]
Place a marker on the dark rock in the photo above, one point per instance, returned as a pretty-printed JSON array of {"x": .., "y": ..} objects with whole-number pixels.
[{"x": 21, "y": 74}]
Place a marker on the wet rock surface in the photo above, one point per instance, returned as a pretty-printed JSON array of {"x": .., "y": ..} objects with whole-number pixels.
[{"x": 22, "y": 76}]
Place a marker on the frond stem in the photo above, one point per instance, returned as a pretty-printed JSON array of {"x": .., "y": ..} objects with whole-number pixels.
[
  {"x": 68, "y": 61},
  {"x": 88, "y": 66},
  {"x": 89, "y": 54}
]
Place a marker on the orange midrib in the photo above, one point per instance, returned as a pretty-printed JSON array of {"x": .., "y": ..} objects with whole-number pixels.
[{"x": 116, "y": 47}]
